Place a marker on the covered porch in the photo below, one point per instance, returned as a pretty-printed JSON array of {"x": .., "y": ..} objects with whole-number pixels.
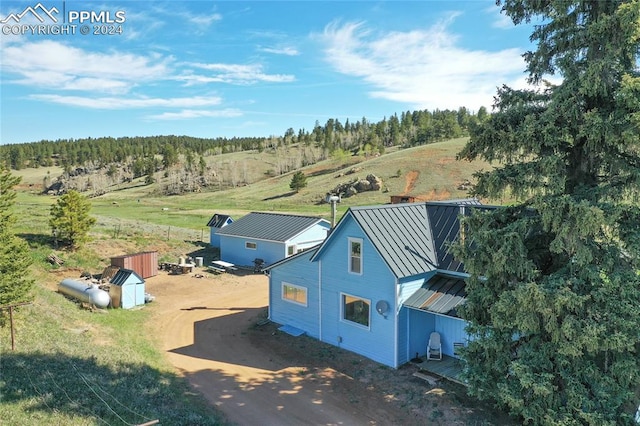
[{"x": 448, "y": 367}]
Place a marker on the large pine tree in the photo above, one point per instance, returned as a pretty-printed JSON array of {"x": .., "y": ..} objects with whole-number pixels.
[
  {"x": 15, "y": 281},
  {"x": 554, "y": 294}
]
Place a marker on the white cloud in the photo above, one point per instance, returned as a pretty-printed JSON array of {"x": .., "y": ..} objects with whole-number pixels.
[
  {"x": 204, "y": 20},
  {"x": 191, "y": 113},
  {"x": 56, "y": 65},
  {"x": 115, "y": 103},
  {"x": 236, "y": 74},
  {"x": 288, "y": 51},
  {"x": 500, "y": 19},
  {"x": 422, "y": 68}
]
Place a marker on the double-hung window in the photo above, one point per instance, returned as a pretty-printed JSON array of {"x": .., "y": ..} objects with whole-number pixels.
[{"x": 355, "y": 256}]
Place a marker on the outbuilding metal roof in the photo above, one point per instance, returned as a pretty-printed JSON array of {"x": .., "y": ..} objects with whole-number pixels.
[
  {"x": 218, "y": 220},
  {"x": 123, "y": 275},
  {"x": 270, "y": 226},
  {"x": 442, "y": 294}
]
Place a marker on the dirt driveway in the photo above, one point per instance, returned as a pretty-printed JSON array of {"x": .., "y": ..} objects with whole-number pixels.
[{"x": 209, "y": 328}]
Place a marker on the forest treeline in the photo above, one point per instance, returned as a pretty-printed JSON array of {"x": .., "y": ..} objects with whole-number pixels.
[{"x": 412, "y": 128}]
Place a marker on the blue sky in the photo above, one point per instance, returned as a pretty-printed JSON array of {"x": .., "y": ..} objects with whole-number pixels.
[{"x": 235, "y": 68}]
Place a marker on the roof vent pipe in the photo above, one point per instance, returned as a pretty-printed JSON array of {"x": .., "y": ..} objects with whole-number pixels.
[{"x": 333, "y": 199}]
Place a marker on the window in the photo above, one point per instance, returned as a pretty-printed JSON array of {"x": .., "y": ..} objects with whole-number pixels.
[
  {"x": 294, "y": 293},
  {"x": 355, "y": 309},
  {"x": 291, "y": 250},
  {"x": 355, "y": 255},
  {"x": 250, "y": 245}
]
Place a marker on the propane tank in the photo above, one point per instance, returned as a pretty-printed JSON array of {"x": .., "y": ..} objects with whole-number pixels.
[{"x": 88, "y": 293}]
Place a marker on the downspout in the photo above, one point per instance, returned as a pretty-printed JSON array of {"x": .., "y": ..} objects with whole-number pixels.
[
  {"x": 270, "y": 288},
  {"x": 320, "y": 299},
  {"x": 396, "y": 325}
]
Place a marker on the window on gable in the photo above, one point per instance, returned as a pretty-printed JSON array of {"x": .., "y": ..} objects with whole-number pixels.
[
  {"x": 251, "y": 246},
  {"x": 294, "y": 293},
  {"x": 356, "y": 309},
  {"x": 291, "y": 250},
  {"x": 355, "y": 255}
]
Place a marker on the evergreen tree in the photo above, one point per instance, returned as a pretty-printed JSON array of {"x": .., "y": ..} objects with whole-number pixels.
[
  {"x": 554, "y": 294},
  {"x": 298, "y": 181},
  {"x": 15, "y": 280},
  {"x": 70, "y": 220}
]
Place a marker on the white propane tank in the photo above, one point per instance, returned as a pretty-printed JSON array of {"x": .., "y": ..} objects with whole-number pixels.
[{"x": 89, "y": 293}]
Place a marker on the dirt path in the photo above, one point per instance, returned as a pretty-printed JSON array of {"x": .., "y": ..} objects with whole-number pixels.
[
  {"x": 411, "y": 179},
  {"x": 202, "y": 324}
]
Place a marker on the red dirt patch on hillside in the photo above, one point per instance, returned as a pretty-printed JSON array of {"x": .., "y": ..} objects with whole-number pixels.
[
  {"x": 411, "y": 179},
  {"x": 434, "y": 195}
]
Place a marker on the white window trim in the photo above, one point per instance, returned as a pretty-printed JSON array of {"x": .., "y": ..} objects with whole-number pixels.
[
  {"x": 294, "y": 248},
  {"x": 295, "y": 302},
  {"x": 246, "y": 245},
  {"x": 353, "y": 323},
  {"x": 355, "y": 240}
]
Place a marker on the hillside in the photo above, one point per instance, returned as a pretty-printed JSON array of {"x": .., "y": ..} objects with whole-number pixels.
[{"x": 427, "y": 172}]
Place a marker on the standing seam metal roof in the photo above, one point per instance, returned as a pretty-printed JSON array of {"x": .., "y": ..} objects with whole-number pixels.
[
  {"x": 270, "y": 226},
  {"x": 121, "y": 277},
  {"x": 441, "y": 294},
  {"x": 412, "y": 238},
  {"x": 400, "y": 233},
  {"x": 217, "y": 220}
]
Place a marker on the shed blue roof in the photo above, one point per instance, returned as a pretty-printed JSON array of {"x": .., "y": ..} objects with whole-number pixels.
[
  {"x": 270, "y": 226},
  {"x": 126, "y": 276}
]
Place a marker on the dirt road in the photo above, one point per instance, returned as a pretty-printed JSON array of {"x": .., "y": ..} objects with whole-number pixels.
[{"x": 202, "y": 324}]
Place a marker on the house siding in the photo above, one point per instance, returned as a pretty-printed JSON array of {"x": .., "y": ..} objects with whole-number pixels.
[
  {"x": 451, "y": 330},
  {"x": 233, "y": 249},
  {"x": 303, "y": 273},
  {"x": 374, "y": 284},
  {"x": 423, "y": 323},
  {"x": 311, "y": 237}
]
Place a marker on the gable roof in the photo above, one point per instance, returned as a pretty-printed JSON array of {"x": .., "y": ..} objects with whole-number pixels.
[
  {"x": 270, "y": 226},
  {"x": 122, "y": 277},
  {"x": 218, "y": 220},
  {"x": 411, "y": 238},
  {"x": 441, "y": 294}
]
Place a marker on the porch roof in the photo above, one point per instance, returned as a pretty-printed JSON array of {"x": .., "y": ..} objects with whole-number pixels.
[{"x": 441, "y": 294}]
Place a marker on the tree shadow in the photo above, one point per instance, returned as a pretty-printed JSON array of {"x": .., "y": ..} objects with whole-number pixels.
[
  {"x": 37, "y": 240},
  {"x": 61, "y": 388},
  {"x": 275, "y": 197}
]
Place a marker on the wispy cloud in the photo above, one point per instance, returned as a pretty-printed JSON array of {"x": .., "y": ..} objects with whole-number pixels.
[
  {"x": 288, "y": 50},
  {"x": 423, "y": 68},
  {"x": 52, "y": 64},
  {"x": 500, "y": 19},
  {"x": 236, "y": 74},
  {"x": 114, "y": 103},
  {"x": 187, "y": 114}
]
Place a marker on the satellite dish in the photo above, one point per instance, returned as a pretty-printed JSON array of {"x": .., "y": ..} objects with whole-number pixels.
[{"x": 382, "y": 307}]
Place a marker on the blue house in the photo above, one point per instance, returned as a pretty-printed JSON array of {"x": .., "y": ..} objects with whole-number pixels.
[
  {"x": 217, "y": 222},
  {"x": 270, "y": 237},
  {"x": 381, "y": 282},
  {"x": 126, "y": 289}
]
